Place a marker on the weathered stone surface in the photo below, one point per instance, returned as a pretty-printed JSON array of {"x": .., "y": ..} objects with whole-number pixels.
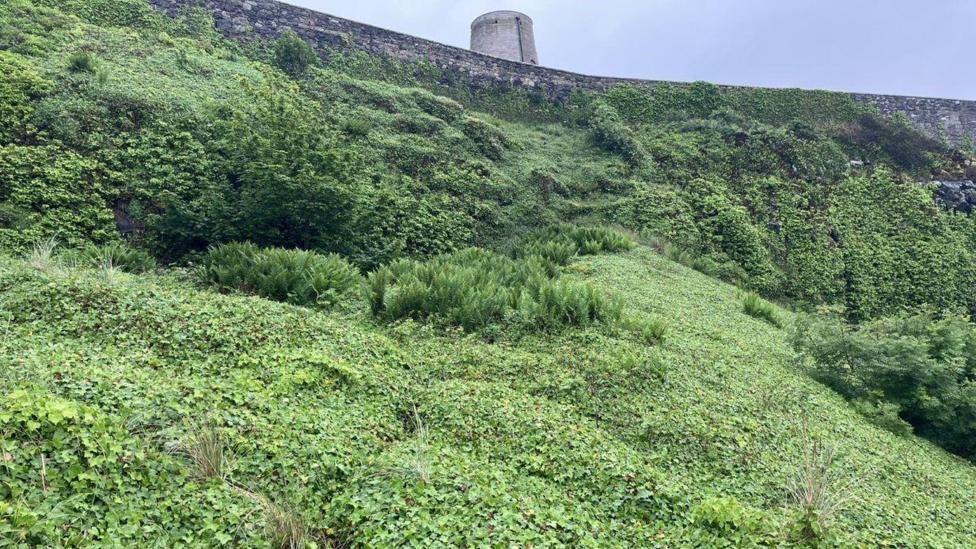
[
  {"x": 506, "y": 34},
  {"x": 957, "y": 195},
  {"x": 250, "y": 19}
]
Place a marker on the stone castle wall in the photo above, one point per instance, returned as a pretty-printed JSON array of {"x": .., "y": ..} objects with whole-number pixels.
[{"x": 251, "y": 19}]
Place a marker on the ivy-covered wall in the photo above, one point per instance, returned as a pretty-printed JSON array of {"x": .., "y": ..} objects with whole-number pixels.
[{"x": 248, "y": 19}]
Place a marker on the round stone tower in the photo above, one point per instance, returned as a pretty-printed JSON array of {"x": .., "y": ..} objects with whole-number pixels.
[{"x": 505, "y": 34}]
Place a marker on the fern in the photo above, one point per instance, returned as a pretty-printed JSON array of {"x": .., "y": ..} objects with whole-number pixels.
[
  {"x": 474, "y": 289},
  {"x": 291, "y": 276}
]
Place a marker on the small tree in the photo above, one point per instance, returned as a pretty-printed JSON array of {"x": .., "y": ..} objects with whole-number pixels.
[{"x": 293, "y": 55}]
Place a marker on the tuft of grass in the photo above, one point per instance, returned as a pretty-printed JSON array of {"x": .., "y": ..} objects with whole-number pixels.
[
  {"x": 816, "y": 492},
  {"x": 41, "y": 256},
  {"x": 420, "y": 463},
  {"x": 207, "y": 450},
  {"x": 286, "y": 527},
  {"x": 82, "y": 62},
  {"x": 116, "y": 255},
  {"x": 757, "y": 307},
  {"x": 109, "y": 270}
]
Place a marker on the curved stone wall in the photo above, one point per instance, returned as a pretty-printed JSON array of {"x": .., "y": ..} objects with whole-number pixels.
[
  {"x": 249, "y": 19},
  {"x": 506, "y": 34}
]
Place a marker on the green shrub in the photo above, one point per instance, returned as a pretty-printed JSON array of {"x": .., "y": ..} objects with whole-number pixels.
[
  {"x": 285, "y": 180},
  {"x": 474, "y": 289},
  {"x": 82, "y": 61},
  {"x": 441, "y": 107},
  {"x": 294, "y": 55},
  {"x": 20, "y": 87},
  {"x": 292, "y": 276},
  {"x": 902, "y": 144},
  {"x": 610, "y": 133},
  {"x": 736, "y": 522},
  {"x": 356, "y": 127},
  {"x": 12, "y": 217},
  {"x": 60, "y": 193},
  {"x": 757, "y": 307},
  {"x": 916, "y": 369},
  {"x": 491, "y": 141}
]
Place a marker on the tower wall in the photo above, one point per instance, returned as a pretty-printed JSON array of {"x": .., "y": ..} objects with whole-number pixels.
[{"x": 506, "y": 35}]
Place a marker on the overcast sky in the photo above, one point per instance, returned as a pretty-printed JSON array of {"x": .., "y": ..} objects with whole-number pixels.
[{"x": 906, "y": 47}]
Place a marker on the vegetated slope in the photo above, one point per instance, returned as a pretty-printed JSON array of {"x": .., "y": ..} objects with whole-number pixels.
[
  {"x": 115, "y": 115},
  {"x": 411, "y": 435}
]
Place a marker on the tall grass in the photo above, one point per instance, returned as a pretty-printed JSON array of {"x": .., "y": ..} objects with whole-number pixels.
[
  {"x": 116, "y": 256},
  {"x": 206, "y": 449},
  {"x": 816, "y": 492},
  {"x": 757, "y": 307},
  {"x": 41, "y": 255}
]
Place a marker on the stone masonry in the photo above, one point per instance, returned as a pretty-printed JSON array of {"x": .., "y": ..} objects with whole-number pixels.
[
  {"x": 253, "y": 19},
  {"x": 506, "y": 34}
]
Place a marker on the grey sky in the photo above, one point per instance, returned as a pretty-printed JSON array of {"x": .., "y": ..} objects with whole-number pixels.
[{"x": 907, "y": 47}]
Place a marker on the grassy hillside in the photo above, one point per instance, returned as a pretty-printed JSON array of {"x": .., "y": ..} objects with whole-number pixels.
[
  {"x": 115, "y": 116},
  {"x": 406, "y": 434},
  {"x": 439, "y": 359}
]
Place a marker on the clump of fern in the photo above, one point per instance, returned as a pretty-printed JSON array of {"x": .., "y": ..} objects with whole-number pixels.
[
  {"x": 475, "y": 288},
  {"x": 585, "y": 240},
  {"x": 651, "y": 331},
  {"x": 293, "y": 276},
  {"x": 83, "y": 62}
]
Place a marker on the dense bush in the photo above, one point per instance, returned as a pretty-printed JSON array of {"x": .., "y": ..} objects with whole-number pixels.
[
  {"x": 918, "y": 370},
  {"x": 289, "y": 181},
  {"x": 899, "y": 250},
  {"x": 896, "y": 139},
  {"x": 59, "y": 194},
  {"x": 292, "y": 276},
  {"x": 490, "y": 140},
  {"x": 20, "y": 87},
  {"x": 293, "y": 55},
  {"x": 474, "y": 289},
  {"x": 612, "y": 134}
]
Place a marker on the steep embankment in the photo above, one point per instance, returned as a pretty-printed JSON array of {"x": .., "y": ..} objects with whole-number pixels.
[{"x": 410, "y": 435}]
